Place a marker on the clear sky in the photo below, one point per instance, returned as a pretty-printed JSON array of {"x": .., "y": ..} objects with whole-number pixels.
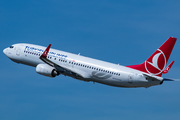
[{"x": 118, "y": 31}]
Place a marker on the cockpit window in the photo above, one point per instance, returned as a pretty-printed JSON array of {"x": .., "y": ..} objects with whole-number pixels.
[{"x": 11, "y": 46}]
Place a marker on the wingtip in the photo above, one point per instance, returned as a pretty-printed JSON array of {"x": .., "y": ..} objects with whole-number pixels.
[
  {"x": 44, "y": 55},
  {"x": 168, "y": 67}
]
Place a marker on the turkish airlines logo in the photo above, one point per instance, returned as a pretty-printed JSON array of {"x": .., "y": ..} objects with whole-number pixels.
[{"x": 156, "y": 63}]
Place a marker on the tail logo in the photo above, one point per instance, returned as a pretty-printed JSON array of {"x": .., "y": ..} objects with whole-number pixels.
[{"x": 156, "y": 63}]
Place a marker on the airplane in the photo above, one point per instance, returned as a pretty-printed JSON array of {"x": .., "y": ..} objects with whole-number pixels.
[{"x": 51, "y": 62}]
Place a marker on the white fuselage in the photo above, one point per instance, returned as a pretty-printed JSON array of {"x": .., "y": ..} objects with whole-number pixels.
[{"x": 89, "y": 69}]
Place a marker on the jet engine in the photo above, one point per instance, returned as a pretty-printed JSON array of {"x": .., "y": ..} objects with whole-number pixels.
[{"x": 46, "y": 70}]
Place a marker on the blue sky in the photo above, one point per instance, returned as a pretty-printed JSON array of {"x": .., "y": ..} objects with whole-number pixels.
[{"x": 125, "y": 32}]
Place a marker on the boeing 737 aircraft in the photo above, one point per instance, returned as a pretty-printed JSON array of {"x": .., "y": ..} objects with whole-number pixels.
[{"x": 52, "y": 62}]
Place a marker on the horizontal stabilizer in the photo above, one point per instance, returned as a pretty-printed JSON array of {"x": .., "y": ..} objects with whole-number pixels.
[
  {"x": 154, "y": 78},
  {"x": 169, "y": 79}
]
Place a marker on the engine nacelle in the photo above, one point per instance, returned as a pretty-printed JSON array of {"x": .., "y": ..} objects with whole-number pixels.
[{"x": 46, "y": 70}]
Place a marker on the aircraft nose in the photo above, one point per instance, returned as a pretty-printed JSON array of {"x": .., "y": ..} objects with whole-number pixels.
[{"x": 5, "y": 51}]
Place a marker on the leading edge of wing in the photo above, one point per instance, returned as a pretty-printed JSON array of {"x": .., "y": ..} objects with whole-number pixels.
[{"x": 60, "y": 68}]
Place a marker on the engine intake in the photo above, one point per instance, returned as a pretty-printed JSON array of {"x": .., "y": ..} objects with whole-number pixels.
[{"x": 46, "y": 70}]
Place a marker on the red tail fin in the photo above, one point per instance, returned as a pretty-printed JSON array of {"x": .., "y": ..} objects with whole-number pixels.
[{"x": 156, "y": 63}]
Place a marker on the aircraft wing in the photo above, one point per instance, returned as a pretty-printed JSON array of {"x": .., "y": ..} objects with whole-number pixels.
[{"x": 59, "y": 68}]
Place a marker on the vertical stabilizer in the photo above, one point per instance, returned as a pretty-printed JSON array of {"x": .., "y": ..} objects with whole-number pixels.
[{"x": 156, "y": 63}]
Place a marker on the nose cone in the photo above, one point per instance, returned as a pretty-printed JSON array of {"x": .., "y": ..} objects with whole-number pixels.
[{"x": 5, "y": 51}]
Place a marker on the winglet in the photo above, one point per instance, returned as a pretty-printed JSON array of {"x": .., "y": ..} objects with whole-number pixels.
[
  {"x": 44, "y": 55},
  {"x": 168, "y": 68}
]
